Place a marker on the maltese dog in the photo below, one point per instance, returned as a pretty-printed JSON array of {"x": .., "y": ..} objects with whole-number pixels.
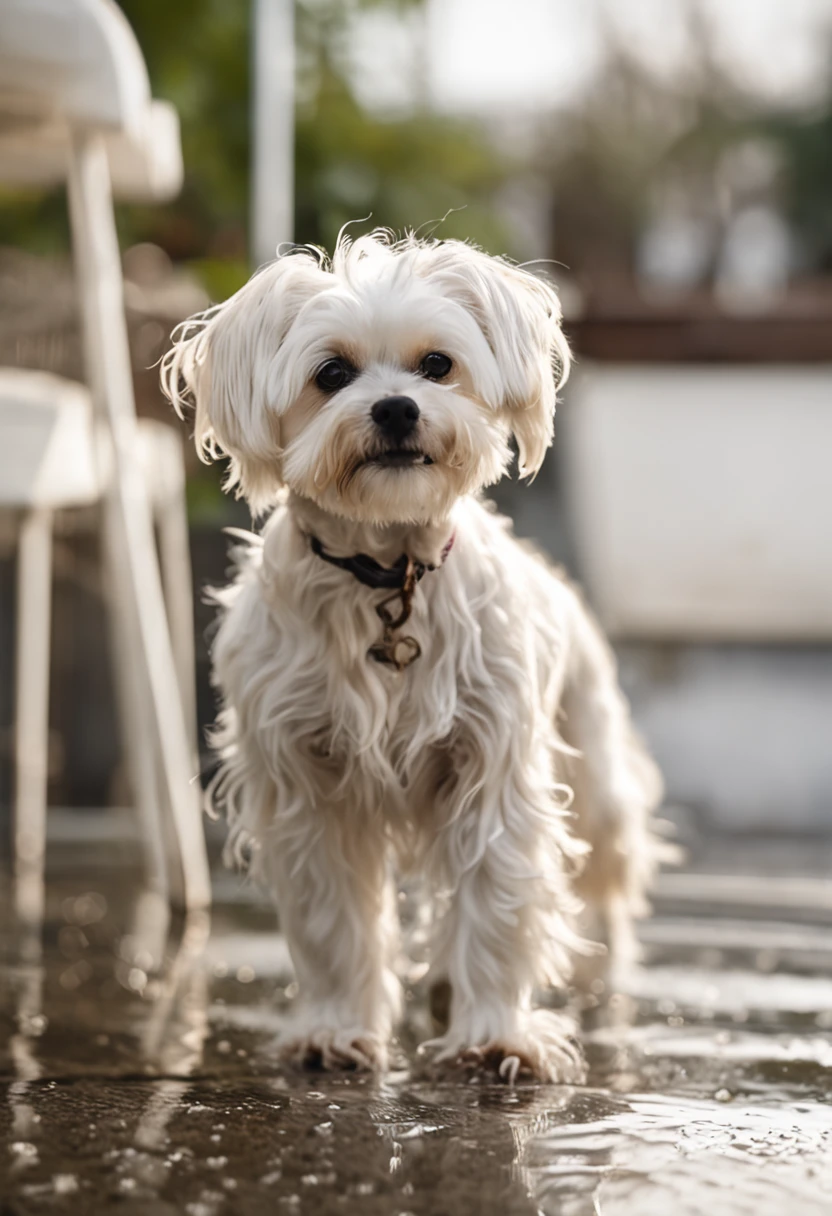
[{"x": 406, "y": 687}]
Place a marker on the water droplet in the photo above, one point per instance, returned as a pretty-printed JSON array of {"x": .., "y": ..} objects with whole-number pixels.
[
  {"x": 245, "y": 974},
  {"x": 418, "y": 1130},
  {"x": 33, "y": 1025},
  {"x": 217, "y": 1163},
  {"x": 76, "y": 975},
  {"x": 23, "y": 1150},
  {"x": 723, "y": 1095},
  {"x": 324, "y": 1129},
  {"x": 136, "y": 979},
  {"x": 85, "y": 909}
]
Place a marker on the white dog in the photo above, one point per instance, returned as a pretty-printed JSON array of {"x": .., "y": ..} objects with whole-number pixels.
[{"x": 403, "y": 681}]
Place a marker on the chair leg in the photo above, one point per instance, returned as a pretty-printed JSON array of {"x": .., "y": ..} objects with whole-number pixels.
[
  {"x": 132, "y": 559},
  {"x": 34, "y": 600},
  {"x": 137, "y": 733},
  {"x": 175, "y": 561}
]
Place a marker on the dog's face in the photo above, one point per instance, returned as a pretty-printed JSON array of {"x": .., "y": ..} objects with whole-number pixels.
[{"x": 382, "y": 388}]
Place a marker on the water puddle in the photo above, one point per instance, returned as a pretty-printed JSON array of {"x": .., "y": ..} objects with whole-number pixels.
[
  {"x": 156, "y": 1087},
  {"x": 654, "y": 1155}
]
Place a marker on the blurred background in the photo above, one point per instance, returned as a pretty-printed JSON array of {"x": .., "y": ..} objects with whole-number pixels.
[{"x": 670, "y": 167}]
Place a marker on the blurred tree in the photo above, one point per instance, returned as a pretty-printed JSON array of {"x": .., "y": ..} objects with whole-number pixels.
[
  {"x": 635, "y": 133},
  {"x": 406, "y": 170},
  {"x": 807, "y": 147},
  {"x": 641, "y": 142}
]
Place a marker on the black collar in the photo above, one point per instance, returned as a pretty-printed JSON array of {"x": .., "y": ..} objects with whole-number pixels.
[{"x": 372, "y": 574}]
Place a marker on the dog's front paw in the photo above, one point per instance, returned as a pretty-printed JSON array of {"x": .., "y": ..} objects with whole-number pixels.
[
  {"x": 526, "y": 1058},
  {"x": 542, "y": 1048},
  {"x": 328, "y": 1047}
]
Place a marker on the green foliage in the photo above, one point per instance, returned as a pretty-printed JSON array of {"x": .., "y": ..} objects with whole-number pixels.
[
  {"x": 349, "y": 163},
  {"x": 807, "y": 147},
  {"x": 402, "y": 172},
  {"x": 35, "y": 220},
  {"x": 197, "y": 54},
  {"x": 406, "y": 171}
]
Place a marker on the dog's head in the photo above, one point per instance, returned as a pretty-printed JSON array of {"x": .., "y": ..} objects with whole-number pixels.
[{"x": 383, "y": 385}]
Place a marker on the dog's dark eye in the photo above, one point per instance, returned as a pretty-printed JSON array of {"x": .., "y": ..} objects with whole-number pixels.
[
  {"x": 334, "y": 374},
  {"x": 435, "y": 365}
]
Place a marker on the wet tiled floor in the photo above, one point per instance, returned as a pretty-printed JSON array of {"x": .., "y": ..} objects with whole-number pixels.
[{"x": 156, "y": 1090}]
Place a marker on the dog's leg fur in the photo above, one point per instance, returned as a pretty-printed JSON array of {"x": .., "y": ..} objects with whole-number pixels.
[
  {"x": 505, "y": 926},
  {"x": 318, "y": 848},
  {"x": 337, "y": 910},
  {"x": 616, "y": 787}
]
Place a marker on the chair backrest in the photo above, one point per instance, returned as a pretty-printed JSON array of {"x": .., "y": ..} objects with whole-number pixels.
[
  {"x": 71, "y": 64},
  {"x": 74, "y": 59}
]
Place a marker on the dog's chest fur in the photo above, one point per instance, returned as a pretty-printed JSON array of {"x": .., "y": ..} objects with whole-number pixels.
[{"x": 292, "y": 655}]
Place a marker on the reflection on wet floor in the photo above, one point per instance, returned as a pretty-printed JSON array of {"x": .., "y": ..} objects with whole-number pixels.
[{"x": 156, "y": 1089}]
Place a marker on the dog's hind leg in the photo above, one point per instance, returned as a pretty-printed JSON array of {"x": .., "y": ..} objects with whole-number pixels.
[{"x": 617, "y": 787}]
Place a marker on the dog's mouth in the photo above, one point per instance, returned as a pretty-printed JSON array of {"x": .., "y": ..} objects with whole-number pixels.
[{"x": 400, "y": 458}]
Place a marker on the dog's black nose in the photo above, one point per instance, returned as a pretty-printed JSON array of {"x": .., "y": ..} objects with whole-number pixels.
[{"x": 396, "y": 417}]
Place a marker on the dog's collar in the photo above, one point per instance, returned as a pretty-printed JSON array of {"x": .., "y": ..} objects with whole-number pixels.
[
  {"x": 372, "y": 574},
  {"x": 401, "y": 579}
]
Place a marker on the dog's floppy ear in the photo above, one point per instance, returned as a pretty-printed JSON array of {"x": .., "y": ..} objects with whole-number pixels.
[
  {"x": 223, "y": 362},
  {"x": 520, "y": 315}
]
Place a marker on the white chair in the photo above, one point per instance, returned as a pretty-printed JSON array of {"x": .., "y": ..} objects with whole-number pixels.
[{"x": 75, "y": 105}]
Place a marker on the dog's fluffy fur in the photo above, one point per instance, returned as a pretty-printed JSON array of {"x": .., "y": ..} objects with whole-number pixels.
[{"x": 335, "y": 768}]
